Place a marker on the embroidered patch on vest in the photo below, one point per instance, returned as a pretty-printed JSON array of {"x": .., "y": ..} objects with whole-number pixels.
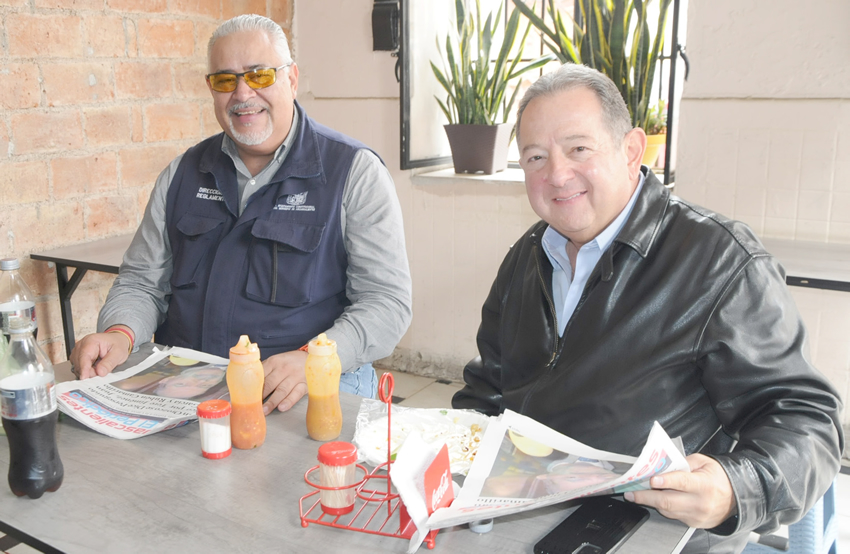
[
  {"x": 209, "y": 194},
  {"x": 296, "y": 202}
]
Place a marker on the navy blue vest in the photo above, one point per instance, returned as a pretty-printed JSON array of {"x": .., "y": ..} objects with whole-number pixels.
[{"x": 277, "y": 272}]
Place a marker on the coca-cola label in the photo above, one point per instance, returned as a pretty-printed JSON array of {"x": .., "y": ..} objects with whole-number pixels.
[
  {"x": 438, "y": 482},
  {"x": 27, "y": 395}
]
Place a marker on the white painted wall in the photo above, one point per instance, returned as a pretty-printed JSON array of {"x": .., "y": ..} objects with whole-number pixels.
[{"x": 765, "y": 137}]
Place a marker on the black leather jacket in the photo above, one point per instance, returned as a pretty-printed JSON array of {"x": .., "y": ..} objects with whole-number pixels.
[{"x": 685, "y": 320}]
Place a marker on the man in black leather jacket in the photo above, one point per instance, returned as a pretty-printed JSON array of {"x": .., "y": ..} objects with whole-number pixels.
[{"x": 681, "y": 317}]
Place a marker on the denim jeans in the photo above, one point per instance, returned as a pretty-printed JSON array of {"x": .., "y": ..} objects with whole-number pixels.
[{"x": 362, "y": 381}]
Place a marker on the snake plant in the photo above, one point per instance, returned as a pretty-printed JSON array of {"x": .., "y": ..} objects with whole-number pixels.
[
  {"x": 476, "y": 84},
  {"x": 609, "y": 40}
]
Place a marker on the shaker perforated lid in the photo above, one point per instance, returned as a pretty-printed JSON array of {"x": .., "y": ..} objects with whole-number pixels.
[
  {"x": 8, "y": 264},
  {"x": 212, "y": 409}
]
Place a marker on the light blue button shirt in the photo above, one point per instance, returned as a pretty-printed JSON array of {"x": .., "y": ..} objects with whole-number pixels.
[{"x": 567, "y": 288}]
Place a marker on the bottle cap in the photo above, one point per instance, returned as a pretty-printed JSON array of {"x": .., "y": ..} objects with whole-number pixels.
[
  {"x": 337, "y": 453},
  {"x": 322, "y": 346},
  {"x": 8, "y": 264},
  {"x": 245, "y": 351},
  {"x": 212, "y": 409}
]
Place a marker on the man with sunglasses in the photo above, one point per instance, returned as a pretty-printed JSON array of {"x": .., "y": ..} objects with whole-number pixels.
[{"x": 278, "y": 228}]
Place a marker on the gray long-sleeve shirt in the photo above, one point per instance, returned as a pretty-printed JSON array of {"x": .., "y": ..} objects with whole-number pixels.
[{"x": 378, "y": 287}]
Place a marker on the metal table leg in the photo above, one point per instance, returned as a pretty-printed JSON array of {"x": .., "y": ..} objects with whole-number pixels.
[{"x": 66, "y": 289}]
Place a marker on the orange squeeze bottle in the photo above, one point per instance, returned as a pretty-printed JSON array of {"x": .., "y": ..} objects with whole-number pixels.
[
  {"x": 324, "y": 415},
  {"x": 245, "y": 381}
]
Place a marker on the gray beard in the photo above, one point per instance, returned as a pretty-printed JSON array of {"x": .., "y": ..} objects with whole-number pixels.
[{"x": 251, "y": 138}]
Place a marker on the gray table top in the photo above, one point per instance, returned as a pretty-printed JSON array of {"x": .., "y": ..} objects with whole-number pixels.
[
  {"x": 100, "y": 255},
  {"x": 158, "y": 494}
]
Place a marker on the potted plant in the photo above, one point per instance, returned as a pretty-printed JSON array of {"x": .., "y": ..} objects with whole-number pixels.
[
  {"x": 477, "y": 104},
  {"x": 614, "y": 37},
  {"x": 656, "y": 135}
]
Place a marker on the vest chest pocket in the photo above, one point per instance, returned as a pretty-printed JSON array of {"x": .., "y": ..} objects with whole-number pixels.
[
  {"x": 282, "y": 262},
  {"x": 194, "y": 242}
]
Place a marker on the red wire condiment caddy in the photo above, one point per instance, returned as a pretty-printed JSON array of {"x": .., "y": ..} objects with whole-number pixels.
[{"x": 366, "y": 517}]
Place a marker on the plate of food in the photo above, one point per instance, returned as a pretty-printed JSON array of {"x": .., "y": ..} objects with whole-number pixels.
[{"x": 461, "y": 430}]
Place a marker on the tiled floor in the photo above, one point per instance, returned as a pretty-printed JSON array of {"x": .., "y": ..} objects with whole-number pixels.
[{"x": 421, "y": 392}]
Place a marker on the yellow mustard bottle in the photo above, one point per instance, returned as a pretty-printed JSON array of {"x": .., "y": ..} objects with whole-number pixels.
[
  {"x": 324, "y": 415},
  {"x": 245, "y": 378}
]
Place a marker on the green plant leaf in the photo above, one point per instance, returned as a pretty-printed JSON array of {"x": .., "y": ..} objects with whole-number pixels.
[
  {"x": 612, "y": 36},
  {"x": 475, "y": 83}
]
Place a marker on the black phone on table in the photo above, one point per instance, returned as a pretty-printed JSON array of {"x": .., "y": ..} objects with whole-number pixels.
[{"x": 599, "y": 526}]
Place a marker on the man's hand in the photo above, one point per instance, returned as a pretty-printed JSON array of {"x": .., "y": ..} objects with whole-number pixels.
[
  {"x": 701, "y": 499},
  {"x": 285, "y": 381},
  {"x": 99, "y": 353}
]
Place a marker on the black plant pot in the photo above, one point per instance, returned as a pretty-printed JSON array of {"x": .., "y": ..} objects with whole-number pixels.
[{"x": 479, "y": 148}]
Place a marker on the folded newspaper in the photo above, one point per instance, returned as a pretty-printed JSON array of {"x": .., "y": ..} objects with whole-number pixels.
[
  {"x": 161, "y": 393},
  {"x": 522, "y": 465}
]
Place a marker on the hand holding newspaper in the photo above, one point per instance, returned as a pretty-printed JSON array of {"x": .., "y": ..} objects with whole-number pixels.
[
  {"x": 522, "y": 465},
  {"x": 160, "y": 393}
]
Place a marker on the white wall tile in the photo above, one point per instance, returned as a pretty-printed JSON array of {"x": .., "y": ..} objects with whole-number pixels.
[
  {"x": 839, "y": 232},
  {"x": 753, "y": 154},
  {"x": 818, "y": 160},
  {"x": 750, "y": 201},
  {"x": 780, "y": 227},
  {"x": 781, "y": 203},
  {"x": 720, "y": 199},
  {"x": 812, "y": 230},
  {"x": 813, "y": 205},
  {"x": 841, "y": 180},
  {"x": 840, "y": 209},
  {"x": 785, "y": 151}
]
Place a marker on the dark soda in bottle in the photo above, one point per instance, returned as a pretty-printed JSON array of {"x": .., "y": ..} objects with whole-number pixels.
[
  {"x": 34, "y": 463},
  {"x": 29, "y": 411}
]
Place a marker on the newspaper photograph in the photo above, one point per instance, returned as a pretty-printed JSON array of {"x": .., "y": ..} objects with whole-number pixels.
[
  {"x": 160, "y": 393},
  {"x": 522, "y": 465}
]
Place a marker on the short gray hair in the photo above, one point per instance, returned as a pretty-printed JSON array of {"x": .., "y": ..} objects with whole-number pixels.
[
  {"x": 253, "y": 22},
  {"x": 571, "y": 76}
]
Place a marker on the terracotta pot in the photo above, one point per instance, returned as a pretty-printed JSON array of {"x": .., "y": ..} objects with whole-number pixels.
[
  {"x": 654, "y": 144},
  {"x": 479, "y": 148}
]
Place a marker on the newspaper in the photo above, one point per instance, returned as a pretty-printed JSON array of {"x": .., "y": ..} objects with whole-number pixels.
[
  {"x": 522, "y": 465},
  {"x": 161, "y": 393}
]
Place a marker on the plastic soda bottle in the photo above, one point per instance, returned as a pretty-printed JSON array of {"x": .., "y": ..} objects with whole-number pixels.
[
  {"x": 324, "y": 415},
  {"x": 29, "y": 412},
  {"x": 17, "y": 304},
  {"x": 245, "y": 378}
]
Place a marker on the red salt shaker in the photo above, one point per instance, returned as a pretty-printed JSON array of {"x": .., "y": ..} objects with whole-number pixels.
[{"x": 214, "y": 418}]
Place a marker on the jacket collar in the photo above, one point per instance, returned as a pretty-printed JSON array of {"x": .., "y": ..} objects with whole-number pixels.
[{"x": 641, "y": 229}]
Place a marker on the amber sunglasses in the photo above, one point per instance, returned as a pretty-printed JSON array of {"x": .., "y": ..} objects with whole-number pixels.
[{"x": 225, "y": 81}]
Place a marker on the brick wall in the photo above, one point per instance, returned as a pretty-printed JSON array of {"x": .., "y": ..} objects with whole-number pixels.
[{"x": 96, "y": 97}]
